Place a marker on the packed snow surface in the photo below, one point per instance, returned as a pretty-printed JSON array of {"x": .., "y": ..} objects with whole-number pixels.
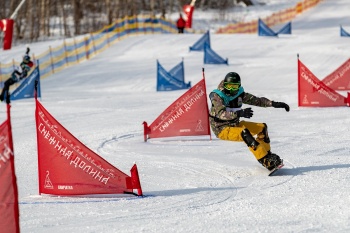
[{"x": 197, "y": 184}]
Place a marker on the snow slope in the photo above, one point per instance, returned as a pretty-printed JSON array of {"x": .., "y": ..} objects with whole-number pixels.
[{"x": 198, "y": 185}]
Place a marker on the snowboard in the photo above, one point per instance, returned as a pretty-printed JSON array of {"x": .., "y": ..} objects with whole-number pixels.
[{"x": 272, "y": 172}]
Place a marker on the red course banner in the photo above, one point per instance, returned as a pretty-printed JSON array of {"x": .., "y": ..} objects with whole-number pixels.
[
  {"x": 68, "y": 167},
  {"x": 340, "y": 78},
  {"x": 6, "y": 25},
  {"x": 187, "y": 116},
  {"x": 314, "y": 93},
  {"x": 9, "y": 212},
  {"x": 188, "y": 9}
]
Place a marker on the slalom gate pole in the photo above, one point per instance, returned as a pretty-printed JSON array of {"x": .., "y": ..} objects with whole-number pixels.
[{"x": 205, "y": 90}]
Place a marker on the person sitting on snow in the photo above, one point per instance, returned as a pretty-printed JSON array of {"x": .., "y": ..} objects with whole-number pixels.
[
  {"x": 18, "y": 74},
  {"x": 225, "y": 114}
]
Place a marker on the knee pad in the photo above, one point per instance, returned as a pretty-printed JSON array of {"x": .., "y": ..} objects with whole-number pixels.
[
  {"x": 249, "y": 139},
  {"x": 266, "y": 135}
]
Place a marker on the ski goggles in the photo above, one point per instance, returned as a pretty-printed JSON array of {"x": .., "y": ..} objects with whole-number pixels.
[{"x": 231, "y": 86}]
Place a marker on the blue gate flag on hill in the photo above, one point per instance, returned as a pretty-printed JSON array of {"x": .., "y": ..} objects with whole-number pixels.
[
  {"x": 199, "y": 45},
  {"x": 264, "y": 30},
  {"x": 343, "y": 32},
  {"x": 178, "y": 72},
  {"x": 211, "y": 57},
  {"x": 172, "y": 80},
  {"x": 286, "y": 29},
  {"x": 27, "y": 87}
]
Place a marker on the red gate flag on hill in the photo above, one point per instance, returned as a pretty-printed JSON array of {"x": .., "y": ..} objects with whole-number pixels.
[
  {"x": 340, "y": 78},
  {"x": 68, "y": 167},
  {"x": 187, "y": 116},
  {"x": 9, "y": 211},
  {"x": 314, "y": 93}
]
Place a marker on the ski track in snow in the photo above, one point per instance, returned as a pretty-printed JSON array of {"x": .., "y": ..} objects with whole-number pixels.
[
  {"x": 206, "y": 196},
  {"x": 229, "y": 185}
]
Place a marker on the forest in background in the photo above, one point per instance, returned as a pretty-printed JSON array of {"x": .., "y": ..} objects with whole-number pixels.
[{"x": 44, "y": 19}]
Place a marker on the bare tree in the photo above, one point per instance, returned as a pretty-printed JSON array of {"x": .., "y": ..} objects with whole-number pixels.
[
  {"x": 13, "y": 5},
  {"x": 34, "y": 20},
  {"x": 77, "y": 15},
  {"x": 162, "y": 8},
  {"x": 152, "y": 7},
  {"x": 40, "y": 18},
  {"x": 64, "y": 17},
  {"x": 109, "y": 11}
]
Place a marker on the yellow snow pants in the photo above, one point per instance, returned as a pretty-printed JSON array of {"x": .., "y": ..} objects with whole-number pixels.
[{"x": 256, "y": 129}]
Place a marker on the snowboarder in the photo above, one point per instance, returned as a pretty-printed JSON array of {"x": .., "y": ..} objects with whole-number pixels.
[
  {"x": 226, "y": 111},
  {"x": 180, "y": 24},
  {"x": 18, "y": 74}
]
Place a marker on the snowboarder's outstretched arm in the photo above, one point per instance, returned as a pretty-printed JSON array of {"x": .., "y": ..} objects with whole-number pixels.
[
  {"x": 263, "y": 102},
  {"x": 280, "y": 105}
]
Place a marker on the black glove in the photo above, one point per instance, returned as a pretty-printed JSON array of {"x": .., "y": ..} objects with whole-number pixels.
[
  {"x": 246, "y": 113},
  {"x": 280, "y": 105}
]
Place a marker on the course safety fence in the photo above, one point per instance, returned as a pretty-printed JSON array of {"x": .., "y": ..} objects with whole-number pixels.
[
  {"x": 282, "y": 16},
  {"x": 75, "y": 50},
  {"x": 81, "y": 48}
]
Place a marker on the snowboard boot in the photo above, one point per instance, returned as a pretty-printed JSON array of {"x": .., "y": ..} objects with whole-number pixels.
[{"x": 270, "y": 161}]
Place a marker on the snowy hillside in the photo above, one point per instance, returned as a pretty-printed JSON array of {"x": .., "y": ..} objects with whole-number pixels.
[{"x": 198, "y": 185}]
